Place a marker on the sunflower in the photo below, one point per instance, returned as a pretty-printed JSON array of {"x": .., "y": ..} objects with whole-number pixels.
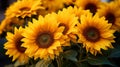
[
  {"x": 42, "y": 37},
  {"x": 13, "y": 46},
  {"x": 91, "y": 5},
  {"x": 70, "y": 2},
  {"x": 111, "y": 12},
  {"x": 52, "y": 5},
  {"x": 68, "y": 20},
  {"x": 23, "y": 8},
  {"x": 9, "y": 23},
  {"x": 3, "y": 25},
  {"x": 78, "y": 11},
  {"x": 117, "y": 2},
  {"x": 95, "y": 33}
]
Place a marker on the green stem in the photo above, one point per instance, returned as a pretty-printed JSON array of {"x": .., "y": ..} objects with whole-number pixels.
[
  {"x": 81, "y": 53},
  {"x": 31, "y": 61},
  {"x": 59, "y": 63},
  {"x": 82, "y": 60}
]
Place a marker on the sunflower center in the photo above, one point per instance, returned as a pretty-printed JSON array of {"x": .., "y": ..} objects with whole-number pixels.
[
  {"x": 73, "y": 0},
  {"x": 110, "y": 17},
  {"x": 66, "y": 28},
  {"x": 19, "y": 47},
  {"x": 92, "y": 7},
  {"x": 45, "y": 40},
  {"x": 91, "y": 34},
  {"x": 25, "y": 9},
  {"x": 51, "y": 0}
]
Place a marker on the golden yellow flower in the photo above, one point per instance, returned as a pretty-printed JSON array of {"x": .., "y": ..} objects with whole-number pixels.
[
  {"x": 8, "y": 24},
  {"x": 42, "y": 37},
  {"x": 23, "y": 8},
  {"x": 69, "y": 2},
  {"x": 13, "y": 46},
  {"x": 95, "y": 33},
  {"x": 52, "y": 5},
  {"x": 117, "y": 2},
  {"x": 69, "y": 21},
  {"x": 78, "y": 11},
  {"x": 91, "y": 5},
  {"x": 111, "y": 12}
]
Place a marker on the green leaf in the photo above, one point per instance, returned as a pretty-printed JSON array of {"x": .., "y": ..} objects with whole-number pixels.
[
  {"x": 115, "y": 52},
  {"x": 83, "y": 64},
  {"x": 115, "y": 55},
  {"x": 43, "y": 63},
  {"x": 70, "y": 54},
  {"x": 51, "y": 65},
  {"x": 17, "y": 63},
  {"x": 67, "y": 63},
  {"x": 99, "y": 61}
]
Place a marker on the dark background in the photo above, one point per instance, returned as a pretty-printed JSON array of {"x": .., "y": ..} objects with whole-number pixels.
[{"x": 4, "y": 60}]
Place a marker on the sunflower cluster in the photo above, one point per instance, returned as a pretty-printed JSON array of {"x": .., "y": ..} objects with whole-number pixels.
[{"x": 42, "y": 29}]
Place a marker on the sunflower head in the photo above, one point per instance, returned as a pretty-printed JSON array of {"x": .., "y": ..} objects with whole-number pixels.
[
  {"x": 95, "y": 33},
  {"x": 67, "y": 20},
  {"x": 78, "y": 11},
  {"x": 9, "y": 23},
  {"x": 13, "y": 46},
  {"x": 69, "y": 2},
  {"x": 43, "y": 35},
  {"x": 23, "y": 8},
  {"x": 91, "y": 5},
  {"x": 111, "y": 12},
  {"x": 52, "y": 5}
]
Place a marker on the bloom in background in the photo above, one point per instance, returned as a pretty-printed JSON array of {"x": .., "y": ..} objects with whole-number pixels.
[
  {"x": 117, "y": 2},
  {"x": 111, "y": 12},
  {"x": 13, "y": 46},
  {"x": 23, "y": 8},
  {"x": 91, "y": 5},
  {"x": 78, "y": 11},
  {"x": 9, "y": 23},
  {"x": 52, "y": 5},
  {"x": 42, "y": 37},
  {"x": 95, "y": 33},
  {"x": 69, "y": 2},
  {"x": 68, "y": 20}
]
